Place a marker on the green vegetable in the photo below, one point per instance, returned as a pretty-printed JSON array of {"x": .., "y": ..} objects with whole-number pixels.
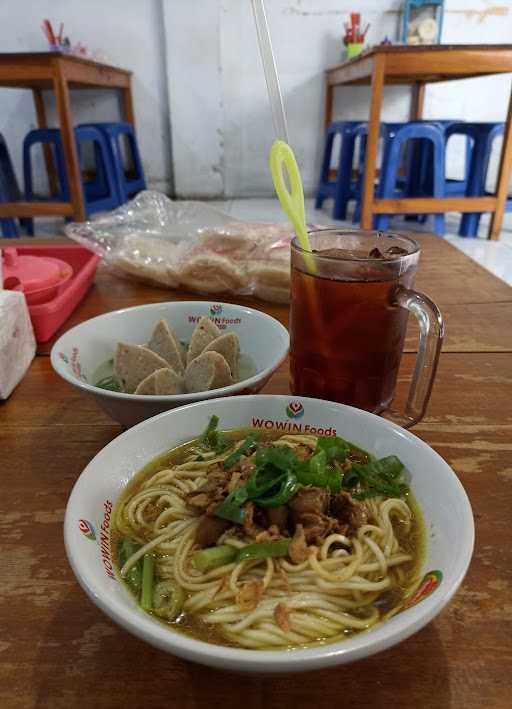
[
  {"x": 207, "y": 559},
  {"x": 315, "y": 471},
  {"x": 244, "y": 448},
  {"x": 261, "y": 481},
  {"x": 286, "y": 487},
  {"x": 279, "y": 474},
  {"x": 281, "y": 458},
  {"x": 148, "y": 573},
  {"x": 168, "y": 599},
  {"x": 272, "y": 484},
  {"x": 212, "y": 438},
  {"x": 111, "y": 383},
  {"x": 274, "y": 481},
  {"x": 379, "y": 477},
  {"x": 126, "y": 549},
  {"x": 265, "y": 550},
  {"x": 350, "y": 479},
  {"x": 230, "y": 509},
  {"x": 334, "y": 447},
  {"x": 333, "y": 477}
]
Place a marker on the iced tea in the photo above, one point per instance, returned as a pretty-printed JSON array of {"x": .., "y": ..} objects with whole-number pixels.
[{"x": 347, "y": 330}]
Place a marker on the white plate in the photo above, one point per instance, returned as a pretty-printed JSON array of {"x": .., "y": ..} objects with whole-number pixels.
[{"x": 440, "y": 495}]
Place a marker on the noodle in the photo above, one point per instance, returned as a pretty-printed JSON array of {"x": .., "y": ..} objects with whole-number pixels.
[{"x": 330, "y": 594}]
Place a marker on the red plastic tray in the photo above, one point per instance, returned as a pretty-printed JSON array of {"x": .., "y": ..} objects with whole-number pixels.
[{"x": 48, "y": 317}]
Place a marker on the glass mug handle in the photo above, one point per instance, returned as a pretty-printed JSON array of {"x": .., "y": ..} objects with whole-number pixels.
[{"x": 431, "y": 327}]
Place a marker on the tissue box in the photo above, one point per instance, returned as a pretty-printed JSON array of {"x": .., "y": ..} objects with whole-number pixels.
[{"x": 17, "y": 341}]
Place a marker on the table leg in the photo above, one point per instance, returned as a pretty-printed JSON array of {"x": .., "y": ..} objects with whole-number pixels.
[
  {"x": 418, "y": 101},
  {"x": 372, "y": 142},
  {"x": 47, "y": 151},
  {"x": 329, "y": 98},
  {"x": 503, "y": 178},
  {"x": 129, "y": 113},
  {"x": 60, "y": 86}
]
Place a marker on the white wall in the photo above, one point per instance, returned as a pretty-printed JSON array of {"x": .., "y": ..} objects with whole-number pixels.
[
  {"x": 201, "y": 58},
  {"x": 128, "y": 33},
  {"x": 221, "y": 123}
]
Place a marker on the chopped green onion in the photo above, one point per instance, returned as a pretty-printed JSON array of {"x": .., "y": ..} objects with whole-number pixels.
[
  {"x": 111, "y": 383},
  {"x": 207, "y": 559},
  {"x": 350, "y": 479},
  {"x": 212, "y": 438},
  {"x": 379, "y": 477},
  {"x": 333, "y": 478},
  {"x": 288, "y": 486},
  {"x": 315, "y": 471},
  {"x": 265, "y": 550},
  {"x": 126, "y": 549},
  {"x": 244, "y": 448},
  {"x": 148, "y": 572},
  {"x": 389, "y": 467},
  {"x": 261, "y": 481},
  {"x": 231, "y": 508},
  {"x": 168, "y": 599},
  {"x": 335, "y": 448},
  {"x": 282, "y": 458}
]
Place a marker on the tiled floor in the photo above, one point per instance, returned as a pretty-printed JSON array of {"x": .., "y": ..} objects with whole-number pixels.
[{"x": 495, "y": 256}]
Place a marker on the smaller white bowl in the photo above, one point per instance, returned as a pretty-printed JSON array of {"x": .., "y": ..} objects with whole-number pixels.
[{"x": 80, "y": 351}]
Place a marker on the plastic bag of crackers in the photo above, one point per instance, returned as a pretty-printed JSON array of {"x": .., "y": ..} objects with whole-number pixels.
[{"x": 192, "y": 246}]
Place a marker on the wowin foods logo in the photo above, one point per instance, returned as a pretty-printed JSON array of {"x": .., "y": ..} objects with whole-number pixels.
[
  {"x": 216, "y": 309},
  {"x": 87, "y": 529},
  {"x": 295, "y": 410}
]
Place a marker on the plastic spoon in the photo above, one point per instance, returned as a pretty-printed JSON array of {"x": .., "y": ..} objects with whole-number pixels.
[{"x": 292, "y": 200}]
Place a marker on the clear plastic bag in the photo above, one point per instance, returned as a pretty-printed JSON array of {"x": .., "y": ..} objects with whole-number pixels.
[{"x": 192, "y": 246}]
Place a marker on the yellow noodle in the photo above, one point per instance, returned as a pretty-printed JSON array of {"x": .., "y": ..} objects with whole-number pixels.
[{"x": 329, "y": 594}]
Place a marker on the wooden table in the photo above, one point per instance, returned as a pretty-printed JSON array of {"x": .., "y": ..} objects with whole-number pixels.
[
  {"x": 58, "y": 650},
  {"x": 420, "y": 66},
  {"x": 60, "y": 73}
]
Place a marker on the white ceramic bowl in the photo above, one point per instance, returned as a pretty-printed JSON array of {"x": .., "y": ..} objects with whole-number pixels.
[
  {"x": 82, "y": 349},
  {"x": 440, "y": 495}
]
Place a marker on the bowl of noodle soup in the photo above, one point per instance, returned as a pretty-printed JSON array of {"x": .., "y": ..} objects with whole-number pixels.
[{"x": 260, "y": 533}]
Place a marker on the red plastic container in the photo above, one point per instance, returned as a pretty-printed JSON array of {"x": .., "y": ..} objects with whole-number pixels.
[
  {"x": 40, "y": 278},
  {"x": 47, "y": 317}
]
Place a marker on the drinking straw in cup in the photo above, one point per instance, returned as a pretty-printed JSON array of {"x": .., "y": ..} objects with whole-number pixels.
[{"x": 281, "y": 155}]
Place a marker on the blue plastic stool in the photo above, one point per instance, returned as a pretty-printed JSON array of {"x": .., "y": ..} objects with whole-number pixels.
[
  {"x": 128, "y": 185},
  {"x": 458, "y": 187},
  {"x": 483, "y": 136},
  {"x": 52, "y": 136},
  {"x": 419, "y": 167},
  {"x": 10, "y": 192},
  {"x": 387, "y": 133},
  {"x": 387, "y": 188},
  {"x": 8, "y": 224},
  {"x": 342, "y": 189}
]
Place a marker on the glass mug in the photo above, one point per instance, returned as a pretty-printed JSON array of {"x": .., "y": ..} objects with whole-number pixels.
[{"x": 348, "y": 319}]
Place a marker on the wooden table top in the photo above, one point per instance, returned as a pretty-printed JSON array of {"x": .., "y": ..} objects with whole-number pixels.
[
  {"x": 58, "y": 650},
  {"x": 36, "y": 70},
  {"x": 439, "y": 62}
]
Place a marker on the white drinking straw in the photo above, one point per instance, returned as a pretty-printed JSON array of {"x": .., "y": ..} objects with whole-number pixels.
[{"x": 269, "y": 67}]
